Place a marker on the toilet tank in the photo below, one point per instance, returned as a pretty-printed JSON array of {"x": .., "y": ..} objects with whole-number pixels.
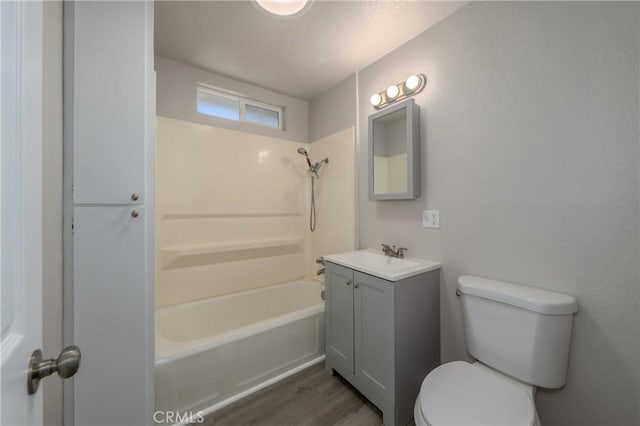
[{"x": 519, "y": 330}]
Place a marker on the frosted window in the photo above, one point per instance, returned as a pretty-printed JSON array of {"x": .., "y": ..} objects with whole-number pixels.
[
  {"x": 218, "y": 106},
  {"x": 266, "y": 117},
  {"x": 231, "y": 106}
]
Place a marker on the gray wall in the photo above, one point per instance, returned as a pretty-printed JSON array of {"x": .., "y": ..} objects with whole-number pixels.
[
  {"x": 176, "y": 98},
  {"x": 52, "y": 205},
  {"x": 529, "y": 126},
  {"x": 334, "y": 110}
]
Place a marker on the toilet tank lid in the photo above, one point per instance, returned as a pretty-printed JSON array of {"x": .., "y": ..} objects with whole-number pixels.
[{"x": 530, "y": 298}]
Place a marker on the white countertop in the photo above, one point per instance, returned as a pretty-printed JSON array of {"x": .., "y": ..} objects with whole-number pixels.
[{"x": 376, "y": 263}]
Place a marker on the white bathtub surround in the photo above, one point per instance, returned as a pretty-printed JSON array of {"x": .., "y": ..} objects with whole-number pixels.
[
  {"x": 214, "y": 351},
  {"x": 230, "y": 211},
  {"x": 335, "y": 197}
]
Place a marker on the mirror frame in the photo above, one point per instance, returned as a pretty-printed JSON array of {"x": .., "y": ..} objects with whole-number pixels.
[{"x": 414, "y": 175}]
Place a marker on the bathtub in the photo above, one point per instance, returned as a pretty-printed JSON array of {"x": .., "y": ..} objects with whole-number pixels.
[{"x": 212, "y": 352}]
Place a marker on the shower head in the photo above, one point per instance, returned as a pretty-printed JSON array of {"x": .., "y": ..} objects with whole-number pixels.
[{"x": 303, "y": 151}]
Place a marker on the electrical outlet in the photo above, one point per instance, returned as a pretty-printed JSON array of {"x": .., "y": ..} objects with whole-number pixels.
[{"x": 431, "y": 218}]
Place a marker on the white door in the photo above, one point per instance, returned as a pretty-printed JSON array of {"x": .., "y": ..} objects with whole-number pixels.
[{"x": 20, "y": 207}]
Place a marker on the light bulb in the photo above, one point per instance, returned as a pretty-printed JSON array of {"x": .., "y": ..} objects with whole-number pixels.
[
  {"x": 392, "y": 91},
  {"x": 376, "y": 99},
  {"x": 412, "y": 82}
]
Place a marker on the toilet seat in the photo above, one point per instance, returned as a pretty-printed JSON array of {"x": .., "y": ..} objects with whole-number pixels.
[{"x": 460, "y": 393}]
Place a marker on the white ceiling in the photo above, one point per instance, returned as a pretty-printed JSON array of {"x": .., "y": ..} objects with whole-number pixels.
[{"x": 299, "y": 57}]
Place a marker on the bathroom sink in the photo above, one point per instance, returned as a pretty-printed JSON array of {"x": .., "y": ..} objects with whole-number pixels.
[{"x": 374, "y": 262}]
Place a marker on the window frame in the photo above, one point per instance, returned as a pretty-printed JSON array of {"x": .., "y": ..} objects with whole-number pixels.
[{"x": 243, "y": 102}]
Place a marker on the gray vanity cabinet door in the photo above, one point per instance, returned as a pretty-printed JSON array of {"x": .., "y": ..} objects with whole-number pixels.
[
  {"x": 374, "y": 337},
  {"x": 339, "y": 316}
]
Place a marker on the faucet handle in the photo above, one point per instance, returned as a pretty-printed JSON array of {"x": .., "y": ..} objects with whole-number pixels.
[{"x": 401, "y": 251}]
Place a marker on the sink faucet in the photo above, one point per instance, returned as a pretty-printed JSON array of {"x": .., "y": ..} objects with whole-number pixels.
[{"x": 392, "y": 252}]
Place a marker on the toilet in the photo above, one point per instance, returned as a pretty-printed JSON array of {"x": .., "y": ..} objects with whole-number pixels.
[{"x": 519, "y": 337}]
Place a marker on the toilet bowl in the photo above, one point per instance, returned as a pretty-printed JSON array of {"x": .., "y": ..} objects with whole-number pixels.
[
  {"x": 520, "y": 337},
  {"x": 460, "y": 393}
]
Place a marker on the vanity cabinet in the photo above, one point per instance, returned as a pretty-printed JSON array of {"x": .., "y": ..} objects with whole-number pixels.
[{"x": 383, "y": 336}]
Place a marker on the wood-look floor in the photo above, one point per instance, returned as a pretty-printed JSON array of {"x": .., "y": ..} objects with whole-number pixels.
[{"x": 312, "y": 397}]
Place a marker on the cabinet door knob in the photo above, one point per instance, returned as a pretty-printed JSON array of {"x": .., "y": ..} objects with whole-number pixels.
[
  {"x": 348, "y": 282},
  {"x": 135, "y": 197},
  {"x": 135, "y": 213},
  {"x": 357, "y": 285}
]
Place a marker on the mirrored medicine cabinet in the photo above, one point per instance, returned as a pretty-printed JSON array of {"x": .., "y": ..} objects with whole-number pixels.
[{"x": 394, "y": 152}]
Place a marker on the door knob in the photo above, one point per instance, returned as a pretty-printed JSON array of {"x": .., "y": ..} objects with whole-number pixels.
[{"x": 66, "y": 365}]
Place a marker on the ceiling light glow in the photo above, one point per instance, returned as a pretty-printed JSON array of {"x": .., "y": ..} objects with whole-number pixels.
[{"x": 283, "y": 7}]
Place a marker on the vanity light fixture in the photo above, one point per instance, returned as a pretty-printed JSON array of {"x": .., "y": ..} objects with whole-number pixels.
[
  {"x": 412, "y": 82},
  {"x": 392, "y": 92},
  {"x": 376, "y": 99},
  {"x": 412, "y": 85}
]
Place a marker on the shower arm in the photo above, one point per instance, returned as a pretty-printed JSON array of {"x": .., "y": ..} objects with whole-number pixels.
[{"x": 316, "y": 166}]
